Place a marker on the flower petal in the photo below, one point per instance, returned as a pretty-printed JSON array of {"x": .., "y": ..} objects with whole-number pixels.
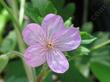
[
  {"x": 68, "y": 40},
  {"x": 33, "y": 33},
  {"x": 34, "y": 55},
  {"x": 57, "y": 61},
  {"x": 53, "y": 24}
]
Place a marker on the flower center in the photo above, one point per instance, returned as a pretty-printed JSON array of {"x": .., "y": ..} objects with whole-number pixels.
[{"x": 50, "y": 45}]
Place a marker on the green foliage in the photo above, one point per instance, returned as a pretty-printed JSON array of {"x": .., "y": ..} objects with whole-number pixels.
[
  {"x": 33, "y": 13},
  {"x": 9, "y": 43},
  {"x": 87, "y": 38},
  {"x": 4, "y": 17},
  {"x": 102, "y": 54},
  {"x": 84, "y": 60},
  {"x": 100, "y": 61},
  {"x": 87, "y": 27},
  {"x": 101, "y": 71},
  {"x": 82, "y": 50},
  {"x": 44, "y": 6},
  {"x": 58, "y": 3},
  {"x": 73, "y": 75},
  {"x": 38, "y": 9},
  {"x": 14, "y": 79},
  {"x": 14, "y": 71},
  {"x": 3, "y": 62},
  {"x": 69, "y": 10},
  {"x": 65, "y": 11},
  {"x": 49, "y": 77},
  {"x": 68, "y": 22}
]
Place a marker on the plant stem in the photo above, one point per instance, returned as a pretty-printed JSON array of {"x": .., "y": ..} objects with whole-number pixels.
[
  {"x": 100, "y": 45},
  {"x": 29, "y": 70},
  {"x": 21, "y": 12}
]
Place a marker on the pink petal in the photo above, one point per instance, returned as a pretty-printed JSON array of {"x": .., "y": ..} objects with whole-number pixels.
[
  {"x": 57, "y": 61},
  {"x": 52, "y": 24},
  {"x": 68, "y": 40},
  {"x": 34, "y": 55},
  {"x": 33, "y": 33}
]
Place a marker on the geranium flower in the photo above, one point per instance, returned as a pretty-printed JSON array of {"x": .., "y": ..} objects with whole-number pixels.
[{"x": 48, "y": 41}]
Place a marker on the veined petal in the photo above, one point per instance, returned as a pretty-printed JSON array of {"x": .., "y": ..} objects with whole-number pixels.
[
  {"x": 35, "y": 55},
  {"x": 68, "y": 40},
  {"x": 52, "y": 24},
  {"x": 57, "y": 61},
  {"x": 33, "y": 33}
]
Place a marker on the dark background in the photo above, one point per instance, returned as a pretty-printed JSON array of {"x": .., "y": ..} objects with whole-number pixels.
[{"x": 98, "y": 12}]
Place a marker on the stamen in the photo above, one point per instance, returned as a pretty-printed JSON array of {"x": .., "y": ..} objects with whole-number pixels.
[{"x": 50, "y": 45}]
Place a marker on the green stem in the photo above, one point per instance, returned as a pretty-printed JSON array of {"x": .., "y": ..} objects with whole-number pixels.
[
  {"x": 10, "y": 12},
  {"x": 16, "y": 24},
  {"x": 100, "y": 45},
  {"x": 13, "y": 54},
  {"x": 21, "y": 12}
]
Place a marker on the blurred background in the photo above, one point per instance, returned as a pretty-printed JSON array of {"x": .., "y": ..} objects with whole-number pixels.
[
  {"x": 97, "y": 11},
  {"x": 93, "y": 19}
]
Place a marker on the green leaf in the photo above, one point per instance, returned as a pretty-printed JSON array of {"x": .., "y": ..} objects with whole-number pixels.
[
  {"x": 49, "y": 77},
  {"x": 58, "y": 3},
  {"x": 3, "y": 62},
  {"x": 101, "y": 71},
  {"x": 33, "y": 13},
  {"x": 44, "y": 6},
  {"x": 15, "y": 79},
  {"x": 68, "y": 22},
  {"x": 87, "y": 27},
  {"x": 81, "y": 51},
  {"x": 84, "y": 50},
  {"x": 15, "y": 69},
  {"x": 83, "y": 68},
  {"x": 9, "y": 43},
  {"x": 73, "y": 75},
  {"x": 102, "y": 54},
  {"x": 3, "y": 19},
  {"x": 87, "y": 38},
  {"x": 102, "y": 37},
  {"x": 69, "y": 10}
]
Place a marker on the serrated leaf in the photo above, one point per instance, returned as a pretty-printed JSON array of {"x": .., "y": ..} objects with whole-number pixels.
[
  {"x": 87, "y": 38},
  {"x": 3, "y": 62}
]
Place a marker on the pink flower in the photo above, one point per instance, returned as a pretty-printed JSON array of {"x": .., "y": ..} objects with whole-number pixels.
[{"x": 47, "y": 42}]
